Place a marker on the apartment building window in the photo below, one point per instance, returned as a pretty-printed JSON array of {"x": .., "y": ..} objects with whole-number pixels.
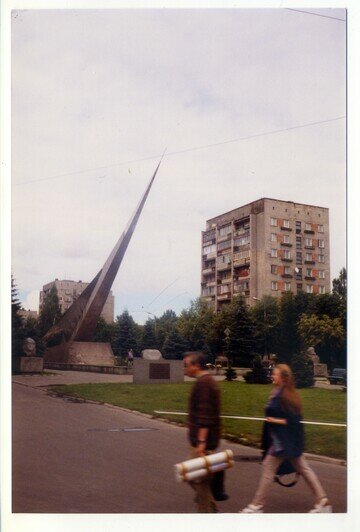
[
  {"x": 308, "y": 257},
  {"x": 208, "y": 291},
  {"x": 274, "y": 269},
  {"x": 298, "y": 257},
  {"x": 274, "y": 285},
  {"x": 273, "y": 222},
  {"x": 209, "y": 249},
  {"x": 309, "y": 289},
  {"x": 287, "y": 270},
  {"x": 321, "y": 258},
  {"x": 321, "y": 243},
  {"x": 223, "y": 231},
  {"x": 307, "y": 227},
  {"x": 224, "y": 289},
  {"x": 274, "y": 253},
  {"x": 321, "y": 274},
  {"x": 242, "y": 255},
  {"x": 321, "y": 289},
  {"x": 320, "y": 228},
  {"x": 287, "y": 287},
  {"x": 287, "y": 254},
  {"x": 298, "y": 274},
  {"x": 286, "y": 223},
  {"x": 309, "y": 272},
  {"x": 308, "y": 242},
  {"x": 273, "y": 237},
  {"x": 209, "y": 236},
  {"x": 286, "y": 239},
  {"x": 299, "y": 288},
  {"x": 298, "y": 242},
  {"x": 298, "y": 226},
  {"x": 224, "y": 245}
]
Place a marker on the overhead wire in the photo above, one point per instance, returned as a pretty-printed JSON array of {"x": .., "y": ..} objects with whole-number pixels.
[
  {"x": 315, "y": 14},
  {"x": 186, "y": 150}
]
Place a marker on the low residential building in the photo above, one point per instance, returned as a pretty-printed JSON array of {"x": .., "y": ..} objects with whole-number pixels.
[{"x": 68, "y": 291}]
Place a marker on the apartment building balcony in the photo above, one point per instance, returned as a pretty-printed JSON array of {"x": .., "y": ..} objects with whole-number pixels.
[
  {"x": 227, "y": 280},
  {"x": 309, "y": 262},
  {"x": 309, "y": 247},
  {"x": 310, "y": 278},
  {"x": 208, "y": 299},
  {"x": 208, "y": 271},
  {"x": 286, "y": 260},
  {"x": 309, "y": 231},
  {"x": 286, "y": 244},
  {"x": 224, "y": 266},
  {"x": 209, "y": 256},
  {"x": 285, "y": 276},
  {"x": 211, "y": 283},
  {"x": 283, "y": 228},
  {"x": 223, "y": 297},
  {"x": 223, "y": 238}
]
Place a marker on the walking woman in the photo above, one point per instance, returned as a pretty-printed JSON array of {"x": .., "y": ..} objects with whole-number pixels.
[{"x": 283, "y": 439}]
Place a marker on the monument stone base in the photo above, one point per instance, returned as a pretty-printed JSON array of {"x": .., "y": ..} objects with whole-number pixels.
[
  {"x": 158, "y": 371},
  {"x": 320, "y": 370},
  {"x": 30, "y": 365},
  {"x": 91, "y": 353}
]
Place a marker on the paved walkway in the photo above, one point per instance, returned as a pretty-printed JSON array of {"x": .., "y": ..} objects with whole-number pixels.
[{"x": 52, "y": 377}]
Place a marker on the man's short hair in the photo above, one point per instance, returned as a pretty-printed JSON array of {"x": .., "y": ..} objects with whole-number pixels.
[{"x": 197, "y": 358}]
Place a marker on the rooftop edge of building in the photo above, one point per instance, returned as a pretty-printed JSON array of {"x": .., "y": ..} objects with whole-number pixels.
[{"x": 266, "y": 199}]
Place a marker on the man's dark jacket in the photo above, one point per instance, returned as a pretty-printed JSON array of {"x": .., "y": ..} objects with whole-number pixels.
[{"x": 204, "y": 411}]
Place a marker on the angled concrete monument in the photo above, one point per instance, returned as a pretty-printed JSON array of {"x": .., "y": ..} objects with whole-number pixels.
[{"x": 69, "y": 341}]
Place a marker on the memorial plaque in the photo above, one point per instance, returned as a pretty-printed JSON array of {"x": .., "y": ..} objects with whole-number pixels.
[{"x": 159, "y": 371}]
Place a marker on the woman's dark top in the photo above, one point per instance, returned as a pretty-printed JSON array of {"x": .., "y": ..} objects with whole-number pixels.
[{"x": 282, "y": 440}]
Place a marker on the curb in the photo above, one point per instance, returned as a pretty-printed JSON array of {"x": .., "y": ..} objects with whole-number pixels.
[{"x": 227, "y": 437}]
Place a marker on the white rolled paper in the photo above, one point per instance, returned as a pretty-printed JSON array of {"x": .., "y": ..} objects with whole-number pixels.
[{"x": 203, "y": 465}]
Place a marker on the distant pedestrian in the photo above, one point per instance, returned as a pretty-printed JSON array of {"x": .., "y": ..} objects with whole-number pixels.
[
  {"x": 203, "y": 423},
  {"x": 130, "y": 357},
  {"x": 283, "y": 439}
]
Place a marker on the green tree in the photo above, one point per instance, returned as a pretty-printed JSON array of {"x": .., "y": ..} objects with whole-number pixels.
[
  {"x": 148, "y": 337},
  {"x": 104, "y": 332},
  {"x": 303, "y": 370},
  {"x": 327, "y": 335},
  {"x": 238, "y": 344},
  {"x": 266, "y": 318},
  {"x": 50, "y": 312},
  {"x": 196, "y": 326},
  {"x": 340, "y": 284},
  {"x": 165, "y": 325},
  {"x": 174, "y": 346},
  {"x": 289, "y": 339},
  {"x": 124, "y": 335},
  {"x": 17, "y": 329}
]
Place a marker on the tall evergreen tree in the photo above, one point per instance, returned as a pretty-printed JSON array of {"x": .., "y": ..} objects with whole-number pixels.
[
  {"x": 238, "y": 339},
  {"x": 174, "y": 346},
  {"x": 289, "y": 339},
  {"x": 266, "y": 319},
  {"x": 17, "y": 329},
  {"x": 50, "y": 312},
  {"x": 124, "y": 336},
  {"x": 148, "y": 338}
]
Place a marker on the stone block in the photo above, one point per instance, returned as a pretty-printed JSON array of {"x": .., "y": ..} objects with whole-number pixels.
[
  {"x": 158, "y": 371},
  {"x": 31, "y": 364},
  {"x": 320, "y": 370}
]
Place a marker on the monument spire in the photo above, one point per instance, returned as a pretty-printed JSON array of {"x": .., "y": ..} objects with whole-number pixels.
[{"x": 79, "y": 322}]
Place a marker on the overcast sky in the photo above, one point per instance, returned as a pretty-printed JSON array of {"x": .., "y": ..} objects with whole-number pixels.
[{"x": 93, "y": 90}]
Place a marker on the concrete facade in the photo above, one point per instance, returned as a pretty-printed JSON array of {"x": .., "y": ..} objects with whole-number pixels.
[
  {"x": 267, "y": 247},
  {"x": 68, "y": 291}
]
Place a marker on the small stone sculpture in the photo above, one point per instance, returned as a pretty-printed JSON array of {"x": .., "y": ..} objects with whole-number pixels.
[
  {"x": 311, "y": 353},
  {"x": 151, "y": 354},
  {"x": 29, "y": 347}
]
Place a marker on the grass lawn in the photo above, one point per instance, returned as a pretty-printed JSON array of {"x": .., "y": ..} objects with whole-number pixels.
[{"x": 238, "y": 399}]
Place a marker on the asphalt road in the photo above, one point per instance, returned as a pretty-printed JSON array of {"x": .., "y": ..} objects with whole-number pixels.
[{"x": 71, "y": 457}]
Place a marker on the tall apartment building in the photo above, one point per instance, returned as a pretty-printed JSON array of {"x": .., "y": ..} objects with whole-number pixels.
[
  {"x": 266, "y": 247},
  {"x": 68, "y": 291}
]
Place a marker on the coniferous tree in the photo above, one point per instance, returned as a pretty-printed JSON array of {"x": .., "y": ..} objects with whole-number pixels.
[
  {"x": 238, "y": 339},
  {"x": 174, "y": 346},
  {"x": 148, "y": 338},
  {"x": 17, "y": 329},
  {"x": 50, "y": 312},
  {"x": 124, "y": 336}
]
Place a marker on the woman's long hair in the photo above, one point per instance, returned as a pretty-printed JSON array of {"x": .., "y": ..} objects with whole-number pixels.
[{"x": 289, "y": 398}]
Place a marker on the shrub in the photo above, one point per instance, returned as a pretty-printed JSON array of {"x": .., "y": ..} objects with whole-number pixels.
[
  {"x": 259, "y": 374},
  {"x": 230, "y": 373},
  {"x": 303, "y": 370}
]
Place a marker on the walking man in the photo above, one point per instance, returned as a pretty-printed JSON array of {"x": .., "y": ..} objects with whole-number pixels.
[{"x": 203, "y": 423}]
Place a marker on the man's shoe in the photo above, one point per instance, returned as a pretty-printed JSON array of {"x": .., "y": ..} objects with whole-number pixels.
[
  {"x": 252, "y": 509},
  {"x": 323, "y": 507}
]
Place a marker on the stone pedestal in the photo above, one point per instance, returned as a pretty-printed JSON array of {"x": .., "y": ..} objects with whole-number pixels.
[
  {"x": 320, "y": 370},
  {"x": 30, "y": 365},
  {"x": 91, "y": 353},
  {"x": 158, "y": 371}
]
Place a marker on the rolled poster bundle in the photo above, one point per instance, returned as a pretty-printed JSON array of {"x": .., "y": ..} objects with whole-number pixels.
[{"x": 204, "y": 465}]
